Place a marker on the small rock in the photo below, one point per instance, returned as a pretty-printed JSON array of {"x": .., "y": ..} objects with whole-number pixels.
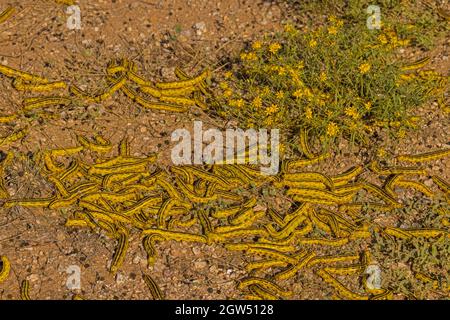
[{"x": 200, "y": 28}]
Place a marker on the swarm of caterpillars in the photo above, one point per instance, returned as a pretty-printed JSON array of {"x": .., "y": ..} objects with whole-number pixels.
[
  {"x": 175, "y": 96},
  {"x": 206, "y": 204}
]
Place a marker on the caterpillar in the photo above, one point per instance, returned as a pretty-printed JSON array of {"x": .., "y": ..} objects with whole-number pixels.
[
  {"x": 301, "y": 184},
  {"x": 205, "y": 223},
  {"x": 97, "y": 147},
  {"x": 30, "y": 203},
  {"x": 45, "y": 102},
  {"x": 182, "y": 224},
  {"x": 426, "y": 233},
  {"x": 173, "y": 193},
  {"x": 304, "y": 144},
  {"x": 115, "y": 85},
  {"x": 77, "y": 297},
  {"x": 59, "y": 186},
  {"x": 265, "y": 264},
  {"x": 14, "y": 136},
  {"x": 265, "y": 284},
  {"x": 423, "y": 157},
  {"x": 183, "y": 76},
  {"x": 344, "y": 291},
  {"x": 386, "y": 295},
  {"x": 415, "y": 185},
  {"x": 417, "y": 64},
  {"x": 276, "y": 216},
  {"x": 25, "y": 290},
  {"x": 130, "y": 93},
  {"x": 70, "y": 199},
  {"x": 291, "y": 271},
  {"x": 287, "y": 229},
  {"x": 52, "y": 165},
  {"x": 176, "y": 235},
  {"x": 77, "y": 223},
  {"x": 442, "y": 184},
  {"x": 271, "y": 246},
  {"x": 177, "y": 100},
  {"x": 148, "y": 243},
  {"x": 164, "y": 210},
  {"x": 110, "y": 196},
  {"x": 332, "y": 259},
  {"x": 222, "y": 237},
  {"x": 13, "y": 73},
  {"x": 325, "y": 242},
  {"x": 5, "y": 267},
  {"x": 294, "y": 164},
  {"x": 120, "y": 252},
  {"x": 66, "y": 152},
  {"x": 381, "y": 194},
  {"x": 5, "y": 15},
  {"x": 395, "y": 170},
  {"x": 19, "y": 85},
  {"x": 389, "y": 185},
  {"x": 245, "y": 215},
  {"x": 348, "y": 175},
  {"x": 153, "y": 287},
  {"x": 191, "y": 195},
  {"x": 347, "y": 270},
  {"x": 207, "y": 176},
  {"x": 143, "y": 203},
  {"x": 320, "y": 195},
  {"x": 124, "y": 148},
  {"x": 398, "y": 233},
  {"x": 274, "y": 254},
  {"x": 8, "y": 118},
  {"x": 184, "y": 83},
  {"x": 309, "y": 176},
  {"x": 259, "y": 291}
]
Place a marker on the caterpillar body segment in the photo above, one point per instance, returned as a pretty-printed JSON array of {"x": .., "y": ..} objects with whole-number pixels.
[
  {"x": 184, "y": 83},
  {"x": 14, "y": 73},
  {"x": 266, "y": 284},
  {"x": 342, "y": 290},
  {"x": 120, "y": 252},
  {"x": 5, "y": 268},
  {"x": 8, "y": 118},
  {"x": 25, "y": 290},
  {"x": 396, "y": 170},
  {"x": 149, "y": 246},
  {"x": 153, "y": 287},
  {"x": 6, "y": 14},
  {"x": 175, "y": 235},
  {"x": 417, "y": 64},
  {"x": 19, "y": 85},
  {"x": 130, "y": 93},
  {"x": 97, "y": 147},
  {"x": 424, "y": 157},
  {"x": 19, "y": 134}
]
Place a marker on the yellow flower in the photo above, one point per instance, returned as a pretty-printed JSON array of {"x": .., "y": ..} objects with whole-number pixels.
[
  {"x": 257, "y": 45},
  {"x": 368, "y": 105},
  {"x": 332, "y": 18},
  {"x": 272, "y": 109},
  {"x": 381, "y": 152},
  {"x": 298, "y": 93},
  {"x": 249, "y": 56},
  {"x": 300, "y": 64},
  {"x": 289, "y": 28},
  {"x": 228, "y": 93},
  {"x": 312, "y": 43},
  {"x": 279, "y": 95},
  {"x": 332, "y": 129},
  {"x": 223, "y": 85},
  {"x": 274, "y": 47},
  {"x": 240, "y": 103},
  {"x": 323, "y": 77},
  {"x": 364, "y": 68},
  {"x": 352, "y": 112},
  {"x": 382, "y": 38},
  {"x": 265, "y": 91},
  {"x": 401, "y": 133},
  {"x": 228, "y": 74},
  {"x": 243, "y": 56},
  {"x": 281, "y": 148},
  {"x": 308, "y": 113},
  {"x": 257, "y": 102},
  {"x": 340, "y": 23},
  {"x": 281, "y": 71},
  {"x": 332, "y": 30}
]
